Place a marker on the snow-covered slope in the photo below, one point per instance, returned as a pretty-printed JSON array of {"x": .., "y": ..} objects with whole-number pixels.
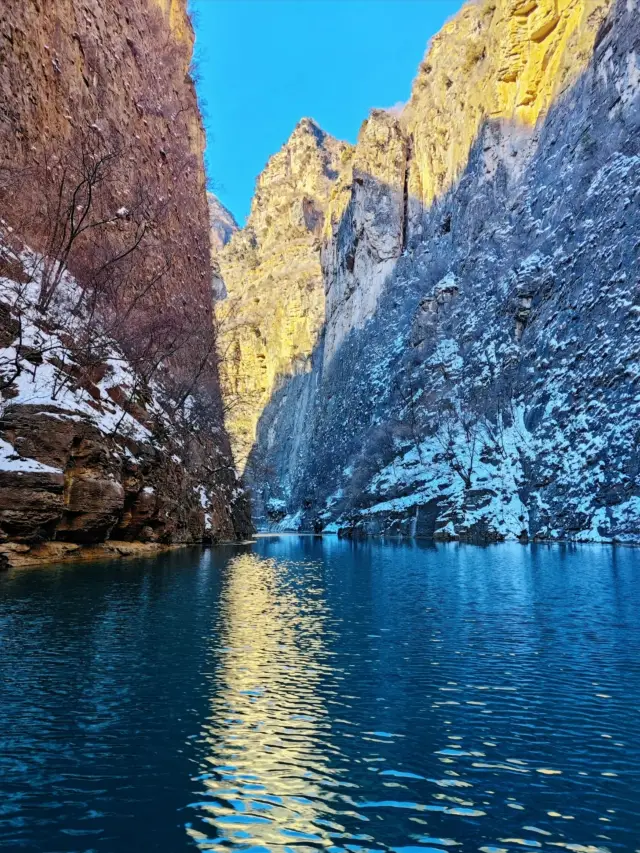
[
  {"x": 478, "y": 375},
  {"x": 88, "y": 450}
]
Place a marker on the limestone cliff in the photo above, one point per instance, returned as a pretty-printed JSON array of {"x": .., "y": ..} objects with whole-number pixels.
[
  {"x": 105, "y": 278},
  {"x": 274, "y": 306},
  {"x": 365, "y": 231},
  {"x": 221, "y": 222},
  {"x": 496, "y": 60},
  {"x": 477, "y": 376},
  {"x": 501, "y": 62}
]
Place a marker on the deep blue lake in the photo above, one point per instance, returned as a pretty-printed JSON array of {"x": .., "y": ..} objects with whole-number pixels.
[{"x": 306, "y": 693}]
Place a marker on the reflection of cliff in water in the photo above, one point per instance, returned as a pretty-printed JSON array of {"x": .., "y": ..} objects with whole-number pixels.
[{"x": 269, "y": 750}]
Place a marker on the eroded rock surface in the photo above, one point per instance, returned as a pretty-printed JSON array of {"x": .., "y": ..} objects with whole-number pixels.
[
  {"x": 88, "y": 450},
  {"x": 274, "y": 305},
  {"x": 478, "y": 373},
  {"x": 83, "y": 461}
]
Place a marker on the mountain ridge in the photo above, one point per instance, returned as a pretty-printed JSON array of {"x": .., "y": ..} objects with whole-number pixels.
[{"x": 447, "y": 394}]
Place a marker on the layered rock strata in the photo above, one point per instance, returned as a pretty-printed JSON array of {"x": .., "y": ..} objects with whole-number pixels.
[
  {"x": 120, "y": 435},
  {"x": 89, "y": 452}
]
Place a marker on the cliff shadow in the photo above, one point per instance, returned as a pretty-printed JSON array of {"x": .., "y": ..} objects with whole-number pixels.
[{"x": 506, "y": 204}]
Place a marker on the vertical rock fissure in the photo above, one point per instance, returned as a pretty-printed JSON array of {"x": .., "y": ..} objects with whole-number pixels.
[{"x": 405, "y": 193}]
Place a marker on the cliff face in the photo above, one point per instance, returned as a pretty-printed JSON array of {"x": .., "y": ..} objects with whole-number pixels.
[
  {"x": 477, "y": 376},
  {"x": 274, "y": 306},
  {"x": 365, "y": 232},
  {"x": 499, "y": 62},
  {"x": 105, "y": 274},
  {"x": 222, "y": 224}
]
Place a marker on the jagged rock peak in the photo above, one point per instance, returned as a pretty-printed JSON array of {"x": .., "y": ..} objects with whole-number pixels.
[
  {"x": 499, "y": 61},
  {"x": 310, "y": 125},
  {"x": 307, "y": 136},
  {"x": 222, "y": 221},
  {"x": 293, "y": 189},
  {"x": 271, "y": 275}
]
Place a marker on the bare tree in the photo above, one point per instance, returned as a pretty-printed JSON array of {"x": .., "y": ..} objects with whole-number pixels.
[
  {"x": 459, "y": 434},
  {"x": 125, "y": 276}
]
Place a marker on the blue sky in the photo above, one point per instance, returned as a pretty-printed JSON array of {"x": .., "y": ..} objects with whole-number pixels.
[{"x": 264, "y": 64}]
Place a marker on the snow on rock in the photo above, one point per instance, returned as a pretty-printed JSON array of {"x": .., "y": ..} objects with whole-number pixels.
[
  {"x": 11, "y": 461},
  {"x": 87, "y": 450},
  {"x": 491, "y": 388}
]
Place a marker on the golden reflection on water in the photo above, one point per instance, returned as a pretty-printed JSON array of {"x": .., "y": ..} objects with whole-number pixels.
[
  {"x": 403, "y": 709},
  {"x": 268, "y": 767}
]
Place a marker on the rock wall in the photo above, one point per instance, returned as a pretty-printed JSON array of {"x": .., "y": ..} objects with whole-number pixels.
[
  {"x": 274, "y": 306},
  {"x": 477, "y": 376},
  {"x": 365, "y": 232},
  {"x": 90, "y": 452},
  {"x": 124, "y": 69},
  {"x": 495, "y": 61},
  {"x": 79, "y": 77}
]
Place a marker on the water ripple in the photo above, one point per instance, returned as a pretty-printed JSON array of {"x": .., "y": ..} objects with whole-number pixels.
[{"x": 302, "y": 694}]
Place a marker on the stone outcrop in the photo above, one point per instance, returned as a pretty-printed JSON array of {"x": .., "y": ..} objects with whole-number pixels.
[
  {"x": 19, "y": 555},
  {"x": 86, "y": 454},
  {"x": 365, "y": 232},
  {"x": 222, "y": 224},
  {"x": 90, "y": 487},
  {"x": 477, "y": 373},
  {"x": 274, "y": 306}
]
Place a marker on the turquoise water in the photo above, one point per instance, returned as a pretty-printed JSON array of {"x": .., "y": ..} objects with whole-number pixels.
[{"x": 306, "y": 693}]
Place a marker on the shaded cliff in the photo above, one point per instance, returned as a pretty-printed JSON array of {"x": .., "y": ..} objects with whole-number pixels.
[
  {"x": 112, "y": 420},
  {"x": 477, "y": 375},
  {"x": 501, "y": 62}
]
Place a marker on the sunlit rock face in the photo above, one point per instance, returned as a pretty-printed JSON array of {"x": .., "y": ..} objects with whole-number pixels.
[
  {"x": 503, "y": 62},
  {"x": 486, "y": 387},
  {"x": 365, "y": 232},
  {"x": 274, "y": 306},
  {"x": 496, "y": 59}
]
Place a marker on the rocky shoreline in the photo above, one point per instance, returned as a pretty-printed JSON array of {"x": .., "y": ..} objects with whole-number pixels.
[{"x": 14, "y": 555}]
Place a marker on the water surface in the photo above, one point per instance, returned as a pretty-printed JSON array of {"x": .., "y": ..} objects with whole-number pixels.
[{"x": 306, "y": 693}]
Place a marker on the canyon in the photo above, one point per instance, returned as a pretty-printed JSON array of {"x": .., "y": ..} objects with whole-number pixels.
[
  {"x": 432, "y": 332},
  {"x": 112, "y": 423},
  {"x": 435, "y": 332}
]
